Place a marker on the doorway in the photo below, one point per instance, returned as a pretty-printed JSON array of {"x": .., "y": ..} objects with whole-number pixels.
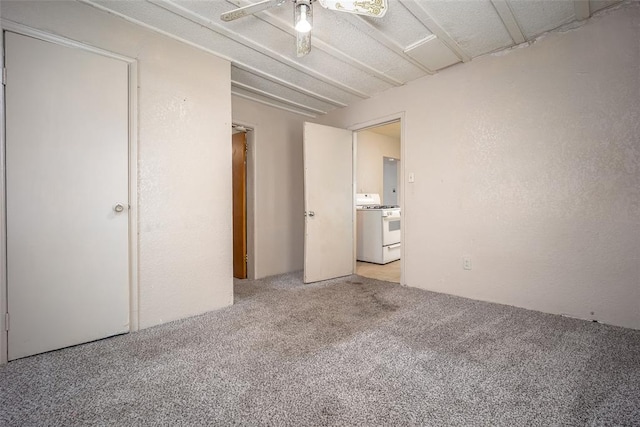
[
  {"x": 243, "y": 143},
  {"x": 331, "y": 219},
  {"x": 379, "y": 171}
]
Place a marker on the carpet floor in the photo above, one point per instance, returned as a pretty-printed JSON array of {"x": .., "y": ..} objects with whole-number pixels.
[{"x": 350, "y": 351}]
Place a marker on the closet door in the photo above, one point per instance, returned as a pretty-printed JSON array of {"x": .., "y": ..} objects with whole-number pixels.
[{"x": 67, "y": 195}]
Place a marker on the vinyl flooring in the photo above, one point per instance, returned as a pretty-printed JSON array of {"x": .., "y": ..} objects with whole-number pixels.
[{"x": 388, "y": 272}]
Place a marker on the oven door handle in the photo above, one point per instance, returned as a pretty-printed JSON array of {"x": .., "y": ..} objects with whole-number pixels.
[
  {"x": 391, "y": 218},
  {"x": 397, "y": 245}
]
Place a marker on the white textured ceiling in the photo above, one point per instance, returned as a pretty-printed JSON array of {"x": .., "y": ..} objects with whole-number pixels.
[{"x": 352, "y": 57}]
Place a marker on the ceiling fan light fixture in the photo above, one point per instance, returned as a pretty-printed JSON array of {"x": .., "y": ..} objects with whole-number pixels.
[{"x": 302, "y": 16}]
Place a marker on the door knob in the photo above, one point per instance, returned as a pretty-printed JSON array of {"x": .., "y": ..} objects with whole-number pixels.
[
  {"x": 312, "y": 213},
  {"x": 118, "y": 208}
]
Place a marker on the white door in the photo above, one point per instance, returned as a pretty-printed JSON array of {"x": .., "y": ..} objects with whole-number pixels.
[
  {"x": 66, "y": 172},
  {"x": 328, "y": 202}
]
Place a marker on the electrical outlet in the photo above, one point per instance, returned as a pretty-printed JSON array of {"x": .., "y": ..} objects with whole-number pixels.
[{"x": 466, "y": 263}]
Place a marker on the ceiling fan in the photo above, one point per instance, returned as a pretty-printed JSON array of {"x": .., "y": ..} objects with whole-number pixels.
[{"x": 303, "y": 14}]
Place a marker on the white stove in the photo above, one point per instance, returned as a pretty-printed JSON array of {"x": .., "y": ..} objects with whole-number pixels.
[{"x": 377, "y": 230}]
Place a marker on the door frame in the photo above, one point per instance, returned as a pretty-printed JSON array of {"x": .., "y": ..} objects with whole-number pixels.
[
  {"x": 24, "y": 30},
  {"x": 355, "y": 128},
  {"x": 250, "y": 170}
]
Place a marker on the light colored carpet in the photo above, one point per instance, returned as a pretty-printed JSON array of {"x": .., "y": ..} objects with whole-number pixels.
[{"x": 352, "y": 351}]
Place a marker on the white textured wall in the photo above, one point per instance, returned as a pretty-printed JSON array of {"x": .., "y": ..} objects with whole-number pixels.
[
  {"x": 371, "y": 148},
  {"x": 529, "y": 162},
  {"x": 279, "y": 189},
  {"x": 184, "y": 149}
]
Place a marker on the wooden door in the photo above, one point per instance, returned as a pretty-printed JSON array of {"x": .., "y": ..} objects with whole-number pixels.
[
  {"x": 239, "y": 172},
  {"x": 328, "y": 203},
  {"x": 67, "y": 184}
]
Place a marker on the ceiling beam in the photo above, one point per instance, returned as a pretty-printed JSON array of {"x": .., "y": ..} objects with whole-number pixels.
[
  {"x": 582, "y": 9},
  {"x": 240, "y": 65},
  {"x": 423, "y": 16},
  {"x": 286, "y": 84},
  {"x": 269, "y": 95},
  {"x": 509, "y": 20},
  {"x": 270, "y": 104},
  {"x": 251, "y": 44},
  {"x": 320, "y": 44}
]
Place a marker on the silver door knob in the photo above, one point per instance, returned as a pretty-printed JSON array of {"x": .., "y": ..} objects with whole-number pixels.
[
  {"x": 118, "y": 208},
  {"x": 312, "y": 213}
]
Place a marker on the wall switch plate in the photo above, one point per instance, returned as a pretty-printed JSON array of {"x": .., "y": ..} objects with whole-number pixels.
[
  {"x": 466, "y": 263},
  {"x": 412, "y": 177}
]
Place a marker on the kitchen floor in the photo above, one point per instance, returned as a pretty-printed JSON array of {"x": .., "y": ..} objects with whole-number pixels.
[{"x": 389, "y": 272}]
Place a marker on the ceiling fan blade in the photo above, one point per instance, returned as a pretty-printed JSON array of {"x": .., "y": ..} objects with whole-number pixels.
[
  {"x": 374, "y": 8},
  {"x": 249, "y": 9}
]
